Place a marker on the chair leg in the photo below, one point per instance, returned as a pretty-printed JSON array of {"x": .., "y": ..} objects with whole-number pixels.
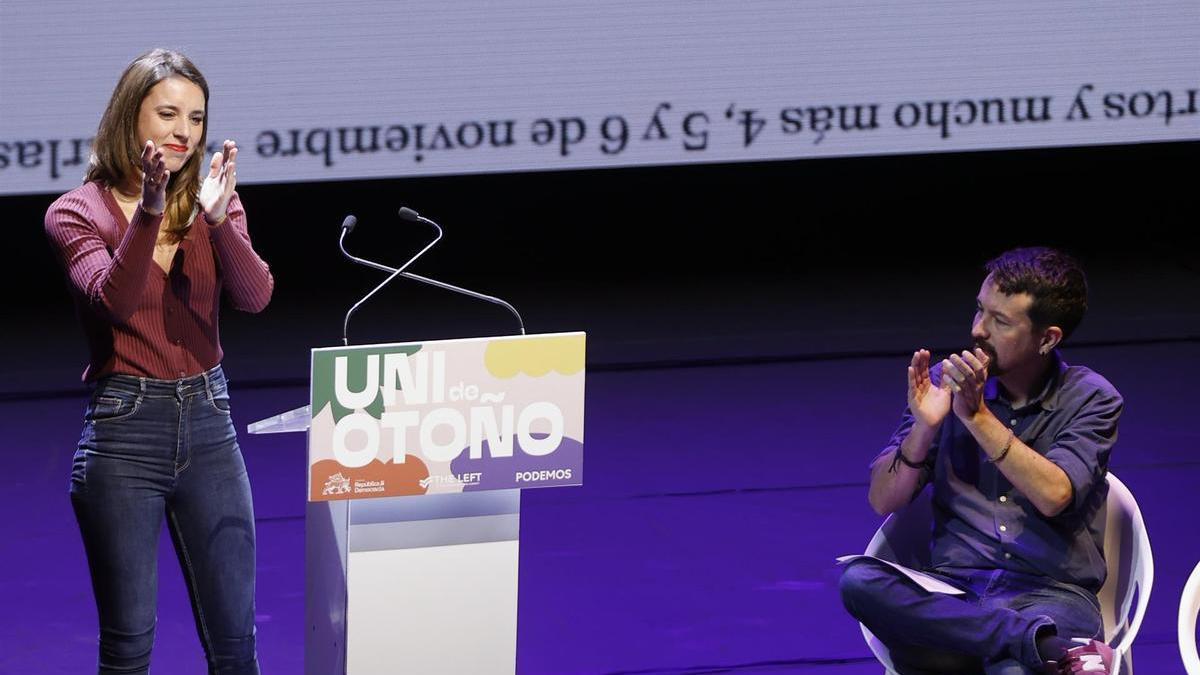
[{"x": 1124, "y": 663}]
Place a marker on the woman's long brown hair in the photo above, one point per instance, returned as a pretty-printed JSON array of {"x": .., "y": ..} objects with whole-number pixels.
[{"x": 117, "y": 151}]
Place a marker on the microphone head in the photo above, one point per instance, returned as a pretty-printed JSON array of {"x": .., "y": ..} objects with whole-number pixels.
[
  {"x": 409, "y": 215},
  {"x": 349, "y": 223}
]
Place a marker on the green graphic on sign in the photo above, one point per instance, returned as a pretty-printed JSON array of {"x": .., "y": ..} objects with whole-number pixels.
[{"x": 324, "y": 389}]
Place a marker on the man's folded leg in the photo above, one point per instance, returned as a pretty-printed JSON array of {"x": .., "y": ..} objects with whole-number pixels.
[{"x": 937, "y": 632}]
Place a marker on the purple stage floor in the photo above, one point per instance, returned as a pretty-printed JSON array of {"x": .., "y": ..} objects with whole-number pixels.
[{"x": 703, "y": 541}]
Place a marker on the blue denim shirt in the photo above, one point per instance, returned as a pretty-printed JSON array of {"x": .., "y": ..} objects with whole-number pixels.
[{"x": 982, "y": 522}]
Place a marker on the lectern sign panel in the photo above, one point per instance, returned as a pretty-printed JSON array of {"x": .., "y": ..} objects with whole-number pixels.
[{"x": 446, "y": 416}]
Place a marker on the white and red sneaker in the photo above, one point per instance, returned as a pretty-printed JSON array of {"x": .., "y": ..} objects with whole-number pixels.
[{"x": 1091, "y": 656}]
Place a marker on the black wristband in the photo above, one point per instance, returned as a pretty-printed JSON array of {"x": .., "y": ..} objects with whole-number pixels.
[{"x": 900, "y": 458}]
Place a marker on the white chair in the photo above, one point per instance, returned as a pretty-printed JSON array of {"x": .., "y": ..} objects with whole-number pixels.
[
  {"x": 1189, "y": 607},
  {"x": 904, "y": 538}
]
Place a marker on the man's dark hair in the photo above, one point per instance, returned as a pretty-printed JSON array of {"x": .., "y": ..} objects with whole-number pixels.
[{"x": 1054, "y": 279}]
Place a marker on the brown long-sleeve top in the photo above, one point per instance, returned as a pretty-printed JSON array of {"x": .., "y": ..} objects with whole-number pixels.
[{"x": 140, "y": 320}]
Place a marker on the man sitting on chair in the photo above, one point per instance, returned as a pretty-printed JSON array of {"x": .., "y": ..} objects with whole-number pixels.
[{"x": 1019, "y": 492}]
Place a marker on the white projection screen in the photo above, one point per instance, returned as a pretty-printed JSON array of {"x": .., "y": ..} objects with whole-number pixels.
[{"x": 373, "y": 89}]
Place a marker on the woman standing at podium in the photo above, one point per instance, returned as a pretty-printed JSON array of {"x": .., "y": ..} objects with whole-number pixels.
[{"x": 150, "y": 243}]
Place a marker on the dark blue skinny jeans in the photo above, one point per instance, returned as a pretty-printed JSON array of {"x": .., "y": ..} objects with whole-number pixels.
[{"x": 154, "y": 449}]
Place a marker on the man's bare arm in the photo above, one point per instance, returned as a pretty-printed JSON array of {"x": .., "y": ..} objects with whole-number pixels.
[
  {"x": 893, "y": 483},
  {"x": 1039, "y": 479}
]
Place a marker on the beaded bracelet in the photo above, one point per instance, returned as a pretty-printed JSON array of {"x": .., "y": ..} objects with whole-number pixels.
[{"x": 1007, "y": 446}]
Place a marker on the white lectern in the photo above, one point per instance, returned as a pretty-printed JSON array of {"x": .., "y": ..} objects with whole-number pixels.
[{"x": 417, "y": 454}]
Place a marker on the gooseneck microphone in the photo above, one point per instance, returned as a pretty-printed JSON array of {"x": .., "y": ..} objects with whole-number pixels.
[{"x": 409, "y": 215}]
